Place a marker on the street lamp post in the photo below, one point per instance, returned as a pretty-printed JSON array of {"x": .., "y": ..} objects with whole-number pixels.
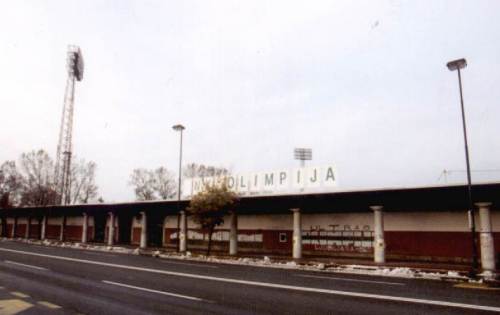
[
  {"x": 452, "y": 66},
  {"x": 179, "y": 128}
]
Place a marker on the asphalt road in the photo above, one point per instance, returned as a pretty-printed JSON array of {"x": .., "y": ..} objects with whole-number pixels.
[{"x": 44, "y": 280}]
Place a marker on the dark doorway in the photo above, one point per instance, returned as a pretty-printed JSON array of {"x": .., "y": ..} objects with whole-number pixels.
[
  {"x": 125, "y": 228},
  {"x": 155, "y": 230},
  {"x": 4, "y": 226},
  {"x": 100, "y": 227}
]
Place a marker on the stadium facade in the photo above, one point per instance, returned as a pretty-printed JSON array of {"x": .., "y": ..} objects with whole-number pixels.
[{"x": 419, "y": 223}]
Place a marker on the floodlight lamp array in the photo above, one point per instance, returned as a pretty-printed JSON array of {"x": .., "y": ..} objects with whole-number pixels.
[
  {"x": 303, "y": 154},
  {"x": 75, "y": 62}
]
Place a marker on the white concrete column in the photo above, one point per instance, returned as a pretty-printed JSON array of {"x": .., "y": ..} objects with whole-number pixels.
[
  {"x": 28, "y": 227},
  {"x": 63, "y": 226},
  {"x": 486, "y": 237},
  {"x": 111, "y": 229},
  {"x": 297, "y": 234},
  {"x": 183, "y": 233},
  {"x": 233, "y": 233},
  {"x": 14, "y": 228},
  {"x": 43, "y": 228},
  {"x": 378, "y": 237},
  {"x": 144, "y": 231},
  {"x": 85, "y": 227}
]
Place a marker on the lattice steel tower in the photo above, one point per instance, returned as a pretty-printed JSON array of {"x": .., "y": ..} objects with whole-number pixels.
[{"x": 62, "y": 174}]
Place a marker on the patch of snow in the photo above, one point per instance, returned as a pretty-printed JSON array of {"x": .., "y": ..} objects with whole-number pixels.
[
  {"x": 453, "y": 274},
  {"x": 266, "y": 260}
]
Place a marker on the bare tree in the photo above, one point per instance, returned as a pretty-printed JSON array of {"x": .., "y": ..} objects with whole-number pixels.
[
  {"x": 144, "y": 183},
  {"x": 190, "y": 170},
  {"x": 165, "y": 184},
  {"x": 83, "y": 187},
  {"x": 153, "y": 184},
  {"x": 38, "y": 179},
  {"x": 34, "y": 184},
  {"x": 200, "y": 170},
  {"x": 11, "y": 184}
]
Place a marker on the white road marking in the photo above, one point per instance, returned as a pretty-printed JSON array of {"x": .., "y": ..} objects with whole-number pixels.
[
  {"x": 269, "y": 285},
  {"x": 24, "y": 265},
  {"x": 49, "y": 305},
  {"x": 154, "y": 291},
  {"x": 100, "y": 254},
  {"x": 19, "y": 294},
  {"x": 187, "y": 264},
  {"x": 351, "y": 280}
]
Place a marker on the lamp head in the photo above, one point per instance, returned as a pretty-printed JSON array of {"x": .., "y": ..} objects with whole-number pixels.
[
  {"x": 178, "y": 127},
  {"x": 457, "y": 64},
  {"x": 302, "y": 154},
  {"x": 75, "y": 62}
]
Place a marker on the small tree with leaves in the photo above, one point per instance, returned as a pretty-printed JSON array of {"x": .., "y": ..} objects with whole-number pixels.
[{"x": 209, "y": 207}]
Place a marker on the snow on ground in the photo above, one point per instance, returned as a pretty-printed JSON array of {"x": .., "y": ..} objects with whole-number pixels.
[{"x": 400, "y": 272}]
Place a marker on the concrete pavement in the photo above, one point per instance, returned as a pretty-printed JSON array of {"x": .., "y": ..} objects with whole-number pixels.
[{"x": 106, "y": 283}]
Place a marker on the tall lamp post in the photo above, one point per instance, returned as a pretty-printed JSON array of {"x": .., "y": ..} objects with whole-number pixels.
[
  {"x": 452, "y": 66},
  {"x": 179, "y": 128}
]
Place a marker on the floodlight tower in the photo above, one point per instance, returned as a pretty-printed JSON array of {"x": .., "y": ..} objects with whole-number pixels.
[
  {"x": 64, "y": 147},
  {"x": 302, "y": 155}
]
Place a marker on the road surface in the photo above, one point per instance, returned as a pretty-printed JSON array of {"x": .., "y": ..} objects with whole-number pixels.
[{"x": 49, "y": 280}]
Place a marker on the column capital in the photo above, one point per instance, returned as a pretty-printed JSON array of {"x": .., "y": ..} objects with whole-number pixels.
[
  {"x": 376, "y": 208},
  {"x": 295, "y": 209},
  {"x": 483, "y": 204},
  {"x": 182, "y": 212}
]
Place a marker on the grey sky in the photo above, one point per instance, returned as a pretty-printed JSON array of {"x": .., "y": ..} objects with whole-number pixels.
[{"x": 364, "y": 84}]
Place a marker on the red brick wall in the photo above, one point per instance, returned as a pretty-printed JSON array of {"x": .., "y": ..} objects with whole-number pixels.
[
  {"x": 9, "y": 230},
  {"x": 53, "y": 231},
  {"x": 90, "y": 233},
  {"x": 34, "y": 231},
  {"x": 436, "y": 244},
  {"x": 136, "y": 235},
  {"x": 166, "y": 237},
  {"x": 271, "y": 239},
  {"x": 73, "y": 233},
  {"x": 20, "y": 230}
]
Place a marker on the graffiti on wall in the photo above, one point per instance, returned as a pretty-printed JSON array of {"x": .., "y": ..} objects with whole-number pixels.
[
  {"x": 222, "y": 236},
  {"x": 335, "y": 237}
]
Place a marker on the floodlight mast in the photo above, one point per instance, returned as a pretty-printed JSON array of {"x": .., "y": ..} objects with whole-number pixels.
[
  {"x": 303, "y": 155},
  {"x": 62, "y": 176}
]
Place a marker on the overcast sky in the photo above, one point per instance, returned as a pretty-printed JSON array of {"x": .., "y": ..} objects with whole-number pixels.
[{"x": 364, "y": 84}]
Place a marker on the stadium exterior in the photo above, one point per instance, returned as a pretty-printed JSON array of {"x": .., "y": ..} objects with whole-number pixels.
[{"x": 420, "y": 223}]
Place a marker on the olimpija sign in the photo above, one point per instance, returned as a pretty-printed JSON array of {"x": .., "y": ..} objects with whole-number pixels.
[{"x": 295, "y": 180}]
